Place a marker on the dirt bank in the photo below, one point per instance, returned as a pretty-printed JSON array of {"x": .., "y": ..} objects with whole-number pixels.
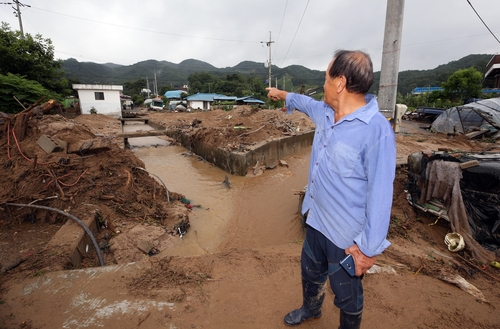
[{"x": 255, "y": 279}]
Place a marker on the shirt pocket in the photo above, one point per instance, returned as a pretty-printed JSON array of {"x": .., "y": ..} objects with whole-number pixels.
[{"x": 342, "y": 159}]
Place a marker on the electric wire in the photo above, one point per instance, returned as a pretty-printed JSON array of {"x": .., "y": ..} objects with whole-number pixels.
[
  {"x": 145, "y": 30},
  {"x": 281, "y": 25},
  {"x": 305, "y": 9},
  {"x": 483, "y": 21}
]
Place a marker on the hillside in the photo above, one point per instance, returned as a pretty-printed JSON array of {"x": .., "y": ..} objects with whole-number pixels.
[{"x": 177, "y": 74}]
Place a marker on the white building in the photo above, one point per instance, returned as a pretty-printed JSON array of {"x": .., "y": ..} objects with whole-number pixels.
[{"x": 105, "y": 99}]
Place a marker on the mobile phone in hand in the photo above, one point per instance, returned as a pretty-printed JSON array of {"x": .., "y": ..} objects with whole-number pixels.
[{"x": 348, "y": 264}]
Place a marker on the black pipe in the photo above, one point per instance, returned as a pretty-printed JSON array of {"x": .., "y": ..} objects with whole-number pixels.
[{"x": 82, "y": 224}]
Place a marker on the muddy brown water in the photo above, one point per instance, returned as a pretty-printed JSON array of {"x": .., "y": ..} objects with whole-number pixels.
[{"x": 257, "y": 211}]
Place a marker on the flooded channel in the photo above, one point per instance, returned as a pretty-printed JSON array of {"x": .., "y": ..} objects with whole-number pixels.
[
  {"x": 201, "y": 183},
  {"x": 255, "y": 212}
]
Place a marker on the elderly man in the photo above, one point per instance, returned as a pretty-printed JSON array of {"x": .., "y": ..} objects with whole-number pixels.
[{"x": 349, "y": 194}]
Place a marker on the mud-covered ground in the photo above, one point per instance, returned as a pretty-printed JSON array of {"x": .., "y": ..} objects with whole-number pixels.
[
  {"x": 95, "y": 179},
  {"x": 255, "y": 279}
]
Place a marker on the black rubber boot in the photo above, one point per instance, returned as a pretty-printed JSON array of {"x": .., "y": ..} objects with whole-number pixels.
[
  {"x": 350, "y": 321},
  {"x": 311, "y": 307}
]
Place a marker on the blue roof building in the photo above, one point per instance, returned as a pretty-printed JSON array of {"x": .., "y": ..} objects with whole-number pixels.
[
  {"x": 422, "y": 90},
  {"x": 203, "y": 101},
  {"x": 249, "y": 100},
  {"x": 174, "y": 94}
]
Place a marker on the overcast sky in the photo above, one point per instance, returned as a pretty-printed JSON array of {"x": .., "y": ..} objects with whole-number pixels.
[{"x": 226, "y": 32}]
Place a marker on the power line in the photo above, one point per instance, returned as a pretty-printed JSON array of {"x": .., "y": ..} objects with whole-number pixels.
[
  {"x": 295, "y": 33},
  {"x": 483, "y": 21},
  {"x": 145, "y": 30},
  {"x": 279, "y": 33}
]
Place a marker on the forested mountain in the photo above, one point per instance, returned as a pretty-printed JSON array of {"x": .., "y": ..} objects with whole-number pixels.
[{"x": 168, "y": 73}]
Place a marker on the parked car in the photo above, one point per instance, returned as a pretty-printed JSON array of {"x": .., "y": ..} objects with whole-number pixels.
[{"x": 429, "y": 113}]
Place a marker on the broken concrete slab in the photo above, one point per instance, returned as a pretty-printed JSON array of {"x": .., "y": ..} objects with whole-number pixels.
[
  {"x": 90, "y": 146},
  {"x": 49, "y": 144},
  {"x": 71, "y": 240}
]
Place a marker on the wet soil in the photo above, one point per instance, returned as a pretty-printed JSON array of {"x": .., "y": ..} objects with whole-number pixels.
[{"x": 254, "y": 279}]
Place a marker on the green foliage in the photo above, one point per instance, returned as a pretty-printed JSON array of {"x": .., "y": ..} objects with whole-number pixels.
[
  {"x": 231, "y": 85},
  {"x": 408, "y": 80},
  {"x": 134, "y": 87},
  {"x": 465, "y": 83},
  {"x": 32, "y": 58},
  {"x": 433, "y": 99},
  {"x": 93, "y": 110},
  {"x": 138, "y": 100},
  {"x": 26, "y": 91}
]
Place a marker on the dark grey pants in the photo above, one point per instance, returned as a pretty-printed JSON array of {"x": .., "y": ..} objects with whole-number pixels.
[{"x": 320, "y": 260}]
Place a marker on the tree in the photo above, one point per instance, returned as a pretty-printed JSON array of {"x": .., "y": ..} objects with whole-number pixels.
[
  {"x": 464, "y": 83},
  {"x": 32, "y": 58},
  {"x": 201, "y": 82},
  {"x": 26, "y": 91},
  {"x": 134, "y": 87}
]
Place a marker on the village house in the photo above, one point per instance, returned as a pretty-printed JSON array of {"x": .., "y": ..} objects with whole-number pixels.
[{"x": 104, "y": 99}]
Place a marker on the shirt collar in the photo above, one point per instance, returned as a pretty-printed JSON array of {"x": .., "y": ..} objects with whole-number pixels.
[{"x": 365, "y": 113}]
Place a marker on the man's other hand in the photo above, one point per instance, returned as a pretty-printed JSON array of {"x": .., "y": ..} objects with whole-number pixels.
[{"x": 362, "y": 263}]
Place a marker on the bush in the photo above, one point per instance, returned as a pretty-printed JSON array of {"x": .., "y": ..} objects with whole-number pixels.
[
  {"x": 26, "y": 91},
  {"x": 93, "y": 110}
]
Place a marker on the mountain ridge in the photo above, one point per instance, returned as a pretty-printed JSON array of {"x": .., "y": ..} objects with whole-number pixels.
[{"x": 168, "y": 73}]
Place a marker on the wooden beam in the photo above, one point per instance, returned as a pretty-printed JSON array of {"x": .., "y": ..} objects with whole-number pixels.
[
  {"x": 135, "y": 119},
  {"x": 475, "y": 134},
  {"x": 148, "y": 133}
]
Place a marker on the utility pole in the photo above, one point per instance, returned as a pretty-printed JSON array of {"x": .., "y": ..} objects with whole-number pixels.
[
  {"x": 390, "y": 57},
  {"x": 17, "y": 12},
  {"x": 269, "y": 63},
  {"x": 156, "y": 86}
]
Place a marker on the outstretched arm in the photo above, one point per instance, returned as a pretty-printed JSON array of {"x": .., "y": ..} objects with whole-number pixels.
[{"x": 276, "y": 94}]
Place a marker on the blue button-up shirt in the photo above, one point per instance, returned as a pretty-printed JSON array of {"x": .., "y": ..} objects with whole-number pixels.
[{"x": 351, "y": 174}]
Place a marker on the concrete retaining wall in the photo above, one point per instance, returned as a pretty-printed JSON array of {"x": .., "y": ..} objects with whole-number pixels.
[{"x": 238, "y": 163}]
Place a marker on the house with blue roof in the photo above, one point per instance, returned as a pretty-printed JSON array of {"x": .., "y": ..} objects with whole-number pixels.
[
  {"x": 203, "y": 101},
  {"x": 249, "y": 100},
  {"x": 175, "y": 95}
]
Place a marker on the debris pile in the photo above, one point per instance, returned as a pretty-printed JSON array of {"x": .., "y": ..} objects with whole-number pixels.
[
  {"x": 236, "y": 130},
  {"x": 55, "y": 162}
]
